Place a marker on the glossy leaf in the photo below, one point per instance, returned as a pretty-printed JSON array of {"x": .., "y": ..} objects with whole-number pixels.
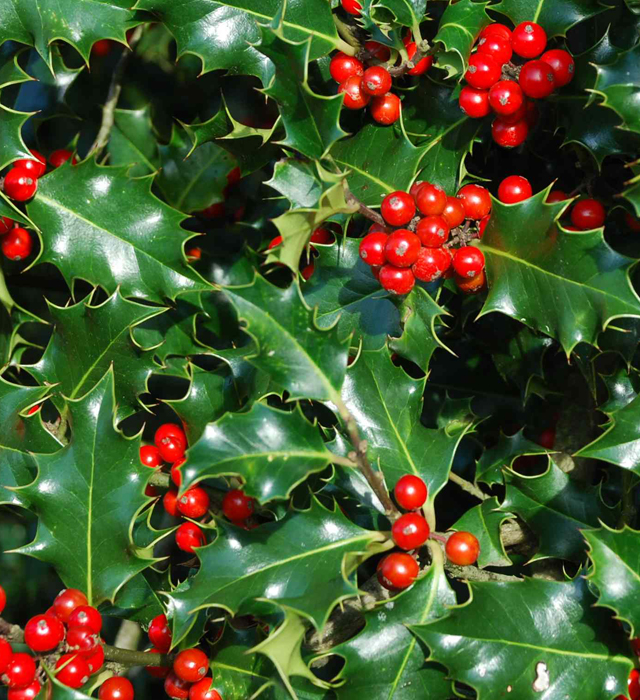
[
  {"x": 484, "y": 521},
  {"x": 298, "y": 181},
  {"x": 12, "y": 147},
  {"x": 133, "y": 143},
  {"x": 460, "y": 25},
  {"x": 619, "y": 85},
  {"x": 502, "y": 455},
  {"x": 556, "y": 16}
]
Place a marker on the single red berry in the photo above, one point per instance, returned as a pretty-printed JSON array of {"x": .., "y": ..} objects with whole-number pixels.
[
  {"x": 3, "y": 599},
  {"x": 6, "y": 224},
  {"x": 193, "y": 503},
  {"x": 150, "y": 457},
  {"x": 509, "y": 135},
  {"x": 482, "y": 225},
  {"x": 236, "y": 505},
  {"x": 375, "y": 271},
  {"x": 16, "y": 244},
  {"x": 43, "y": 633},
  {"x": 410, "y": 531},
  {"x": 86, "y": 616},
  {"x": 547, "y": 438},
  {"x": 353, "y": 7},
  {"x": 354, "y": 96},
  {"x": 431, "y": 199},
  {"x": 562, "y": 65},
  {"x": 160, "y": 633},
  {"x": 468, "y": 261},
  {"x": 588, "y": 214},
  {"x": 20, "y": 671},
  {"x": 496, "y": 29},
  {"x": 176, "y": 688},
  {"x": 322, "y": 236},
  {"x": 536, "y": 79},
  {"x": 234, "y": 176},
  {"x": 476, "y": 201},
  {"x": 633, "y": 685},
  {"x": 274, "y": 242},
  {"x": 82, "y": 640},
  {"x": 505, "y": 97},
  {"x": 397, "y": 280},
  {"x": 386, "y": 109},
  {"x": 453, "y": 213},
  {"x": 402, "y": 247},
  {"x": 116, "y": 688},
  {"x": 193, "y": 254},
  {"x": 432, "y": 264},
  {"x": 171, "y": 449},
  {"x": 37, "y": 165},
  {"x": 61, "y": 156},
  {"x": 96, "y": 660},
  {"x": 377, "y": 50},
  {"x": 157, "y": 671},
  {"x": 528, "y": 39},
  {"x": 191, "y": 665},
  {"x": 474, "y": 102},
  {"x": 376, "y": 81},
  {"x": 398, "y": 208},
  {"x": 514, "y": 188},
  {"x": 483, "y": 71},
  {"x": 170, "y": 502},
  {"x": 556, "y": 196},
  {"x": 102, "y": 47},
  {"x": 497, "y": 47},
  {"x": 462, "y": 548},
  {"x": 67, "y": 601},
  {"x": 343, "y": 67},
  {"x": 203, "y": 690},
  {"x": 416, "y": 187},
  {"x": 631, "y": 222},
  {"x": 169, "y": 430},
  {"x": 214, "y": 211},
  {"x": 189, "y": 536},
  {"x": 410, "y": 492},
  {"x": 372, "y": 248},
  {"x": 520, "y": 113},
  {"x": 29, "y": 692},
  {"x": 432, "y": 231},
  {"x": 176, "y": 474},
  {"x": 471, "y": 285},
  {"x": 397, "y": 570},
  {"x": 20, "y": 184},
  {"x": 423, "y": 65},
  {"x": 6, "y": 652}
]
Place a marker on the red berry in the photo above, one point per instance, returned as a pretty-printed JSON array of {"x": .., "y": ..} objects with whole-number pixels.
[
  {"x": 191, "y": 665},
  {"x": 322, "y": 236},
  {"x": 483, "y": 71},
  {"x": 236, "y": 505},
  {"x": 431, "y": 199},
  {"x": 169, "y": 430},
  {"x": 215, "y": 211},
  {"x": 150, "y": 457},
  {"x": 354, "y": 96},
  {"x": 509, "y": 135},
  {"x": 67, "y": 601},
  {"x": 397, "y": 570},
  {"x": 496, "y": 29},
  {"x": 397, "y": 280},
  {"x": 37, "y": 166},
  {"x": 402, "y": 247},
  {"x": 468, "y": 261},
  {"x": 476, "y": 201},
  {"x": 343, "y": 67},
  {"x": 372, "y": 248},
  {"x": 432, "y": 231},
  {"x": 160, "y": 633},
  {"x": 189, "y": 536},
  {"x": 482, "y": 225},
  {"x": 423, "y": 65},
  {"x": 171, "y": 449},
  {"x": 536, "y": 79},
  {"x": 20, "y": 671},
  {"x": 176, "y": 688},
  {"x": 234, "y": 176},
  {"x": 376, "y": 81},
  {"x": 6, "y": 652},
  {"x": 588, "y": 214},
  {"x": 202, "y": 690},
  {"x": 377, "y": 50},
  {"x": 307, "y": 271},
  {"x": 194, "y": 503},
  {"x": 462, "y": 548},
  {"x": 410, "y": 531},
  {"x": 631, "y": 222},
  {"x": 157, "y": 671},
  {"x": 432, "y": 264},
  {"x": 474, "y": 102},
  {"x": 353, "y": 7},
  {"x": 633, "y": 685},
  {"x": 514, "y": 188},
  {"x": 410, "y": 492},
  {"x": 96, "y": 660},
  {"x": 556, "y": 196},
  {"x": 519, "y": 115},
  {"x": 176, "y": 474},
  {"x": 505, "y": 97},
  {"x": 3, "y": 599},
  {"x": 471, "y": 285},
  {"x": 16, "y": 244},
  {"x": 398, "y": 208},
  {"x": 29, "y": 692},
  {"x": 528, "y": 39},
  {"x": 547, "y": 438},
  {"x": 82, "y": 640},
  {"x": 102, "y": 47},
  {"x": 20, "y": 184},
  {"x": 453, "y": 213},
  {"x": 415, "y": 188},
  {"x": 43, "y": 633},
  {"x": 497, "y": 47},
  {"x": 116, "y": 688},
  {"x": 6, "y": 224},
  {"x": 386, "y": 109},
  {"x": 170, "y": 502},
  {"x": 562, "y": 65},
  {"x": 62, "y": 155},
  {"x": 274, "y": 242}
]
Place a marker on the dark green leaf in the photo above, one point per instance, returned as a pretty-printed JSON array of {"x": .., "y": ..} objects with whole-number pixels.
[
  {"x": 133, "y": 142},
  {"x": 459, "y": 27},
  {"x": 493, "y": 461},
  {"x": 556, "y": 16},
  {"x": 484, "y": 521},
  {"x": 619, "y": 85},
  {"x": 137, "y": 600},
  {"x": 12, "y": 147},
  {"x": 298, "y": 181}
]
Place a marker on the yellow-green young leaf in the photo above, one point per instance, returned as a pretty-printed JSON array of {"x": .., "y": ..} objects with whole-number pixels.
[
  {"x": 86, "y": 497},
  {"x": 460, "y": 25},
  {"x": 555, "y": 16}
]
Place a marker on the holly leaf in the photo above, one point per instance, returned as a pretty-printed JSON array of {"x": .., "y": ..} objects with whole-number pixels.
[
  {"x": 99, "y": 225},
  {"x": 133, "y": 142},
  {"x": 484, "y": 521},
  {"x": 616, "y": 571},
  {"x": 298, "y": 181},
  {"x": 302, "y": 561},
  {"x": 138, "y": 599},
  {"x": 618, "y": 84},
  {"x": 502, "y": 455},
  {"x": 289, "y": 346},
  {"x": 525, "y": 249},
  {"x": 86, "y": 497},
  {"x": 12, "y": 147},
  {"x": 556, "y": 16},
  {"x": 622, "y": 338},
  {"x": 272, "y": 451},
  {"x": 343, "y": 291},
  {"x": 557, "y": 508},
  {"x": 585, "y": 656},
  {"x": 622, "y": 388},
  {"x": 87, "y": 340}
]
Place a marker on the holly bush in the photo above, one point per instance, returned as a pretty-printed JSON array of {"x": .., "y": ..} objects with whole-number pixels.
[{"x": 318, "y": 340}]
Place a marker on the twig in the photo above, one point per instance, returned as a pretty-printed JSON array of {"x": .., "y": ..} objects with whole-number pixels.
[
  {"x": 352, "y": 44},
  {"x": 472, "y": 573},
  {"x": 12, "y": 633},
  {"x": 115, "y": 88},
  {"x": 363, "y": 208},
  {"x": 461, "y": 236},
  {"x": 422, "y": 51},
  {"x": 160, "y": 479},
  {"x": 467, "y": 486},
  {"x": 127, "y": 657}
]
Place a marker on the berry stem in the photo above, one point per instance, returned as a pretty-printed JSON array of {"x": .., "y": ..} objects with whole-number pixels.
[
  {"x": 437, "y": 536},
  {"x": 363, "y": 208},
  {"x": 423, "y": 50},
  {"x": 348, "y": 43}
]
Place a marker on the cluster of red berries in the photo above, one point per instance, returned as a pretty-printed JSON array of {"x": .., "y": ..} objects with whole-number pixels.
[
  {"x": 420, "y": 251},
  {"x": 491, "y": 79},
  {"x": 586, "y": 214},
  {"x": 410, "y": 531},
  {"x": 321, "y": 235}
]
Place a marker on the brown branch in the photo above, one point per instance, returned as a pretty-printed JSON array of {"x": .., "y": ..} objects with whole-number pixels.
[
  {"x": 128, "y": 658},
  {"x": 423, "y": 51},
  {"x": 363, "y": 208}
]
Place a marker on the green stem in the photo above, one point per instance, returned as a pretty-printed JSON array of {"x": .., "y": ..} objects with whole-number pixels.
[
  {"x": 347, "y": 43},
  {"x": 5, "y": 297},
  {"x": 136, "y": 658}
]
